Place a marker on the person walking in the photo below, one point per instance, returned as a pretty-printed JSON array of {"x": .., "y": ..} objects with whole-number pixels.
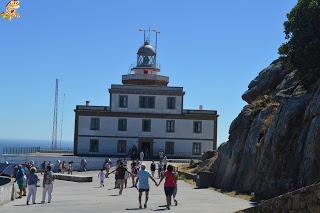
[
  {"x": 32, "y": 180},
  {"x": 143, "y": 180},
  {"x": 134, "y": 172},
  {"x": 101, "y": 177},
  {"x": 153, "y": 168},
  {"x": 165, "y": 161},
  {"x": 83, "y": 165},
  {"x": 63, "y": 167},
  {"x": 126, "y": 177},
  {"x": 57, "y": 166},
  {"x": 47, "y": 185},
  {"x": 70, "y": 167},
  {"x": 121, "y": 171},
  {"x": 176, "y": 175},
  {"x": 141, "y": 156},
  {"x": 107, "y": 167},
  {"x": 160, "y": 169},
  {"x": 161, "y": 153},
  {"x": 43, "y": 166},
  {"x": 169, "y": 184},
  {"x": 21, "y": 181}
]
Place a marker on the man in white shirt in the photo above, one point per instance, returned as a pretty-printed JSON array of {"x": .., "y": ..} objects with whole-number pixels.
[
  {"x": 141, "y": 156},
  {"x": 143, "y": 179}
]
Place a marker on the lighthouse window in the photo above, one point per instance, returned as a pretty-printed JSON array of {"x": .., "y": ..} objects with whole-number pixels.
[
  {"x": 94, "y": 145},
  {"x": 196, "y": 149},
  {"x": 171, "y": 102},
  {"x": 169, "y": 148},
  {"x": 147, "y": 102},
  {"x": 197, "y": 127},
  {"x": 122, "y": 146},
  {"x": 95, "y": 124},
  {"x": 146, "y": 125},
  {"x": 170, "y": 125},
  {"x": 123, "y": 101},
  {"x": 122, "y": 125}
]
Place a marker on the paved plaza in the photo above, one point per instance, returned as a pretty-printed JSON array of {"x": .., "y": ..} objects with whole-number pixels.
[{"x": 88, "y": 197}]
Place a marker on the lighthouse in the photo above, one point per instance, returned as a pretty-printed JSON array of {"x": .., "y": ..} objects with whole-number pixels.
[{"x": 144, "y": 114}]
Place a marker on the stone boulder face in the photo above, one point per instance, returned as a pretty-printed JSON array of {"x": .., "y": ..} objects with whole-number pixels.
[
  {"x": 208, "y": 154},
  {"x": 274, "y": 143}
]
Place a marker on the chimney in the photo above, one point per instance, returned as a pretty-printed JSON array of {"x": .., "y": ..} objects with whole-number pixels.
[
  {"x": 200, "y": 107},
  {"x": 87, "y": 103}
]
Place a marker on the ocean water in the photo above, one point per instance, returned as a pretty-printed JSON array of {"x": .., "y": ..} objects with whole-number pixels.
[{"x": 44, "y": 144}]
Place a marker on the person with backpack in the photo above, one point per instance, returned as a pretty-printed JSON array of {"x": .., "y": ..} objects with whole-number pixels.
[{"x": 121, "y": 173}]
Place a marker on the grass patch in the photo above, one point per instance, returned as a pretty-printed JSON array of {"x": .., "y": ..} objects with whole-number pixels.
[
  {"x": 186, "y": 168},
  {"x": 235, "y": 194}
]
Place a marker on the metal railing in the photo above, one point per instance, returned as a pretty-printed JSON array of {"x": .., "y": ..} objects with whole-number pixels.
[
  {"x": 20, "y": 150},
  {"x": 145, "y": 77}
]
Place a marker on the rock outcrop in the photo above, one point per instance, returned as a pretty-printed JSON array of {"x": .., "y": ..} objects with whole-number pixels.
[
  {"x": 274, "y": 143},
  {"x": 304, "y": 200}
]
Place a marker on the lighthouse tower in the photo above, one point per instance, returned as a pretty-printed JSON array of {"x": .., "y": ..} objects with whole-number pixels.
[{"x": 146, "y": 70}]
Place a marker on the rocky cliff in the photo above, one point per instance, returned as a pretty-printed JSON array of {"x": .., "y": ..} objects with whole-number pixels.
[{"x": 274, "y": 143}]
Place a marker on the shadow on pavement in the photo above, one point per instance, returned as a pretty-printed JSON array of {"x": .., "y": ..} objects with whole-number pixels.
[
  {"x": 133, "y": 209},
  {"x": 158, "y": 210}
]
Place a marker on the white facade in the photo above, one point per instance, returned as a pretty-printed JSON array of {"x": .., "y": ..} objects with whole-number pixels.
[
  {"x": 108, "y": 135},
  {"x": 144, "y": 114},
  {"x": 133, "y": 104}
]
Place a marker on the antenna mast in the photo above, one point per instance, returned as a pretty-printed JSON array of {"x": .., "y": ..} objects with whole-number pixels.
[
  {"x": 64, "y": 96},
  {"x": 55, "y": 117},
  {"x": 157, "y": 32},
  {"x": 144, "y": 34}
]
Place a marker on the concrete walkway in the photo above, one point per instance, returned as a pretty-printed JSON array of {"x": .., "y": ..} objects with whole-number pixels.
[{"x": 88, "y": 197}]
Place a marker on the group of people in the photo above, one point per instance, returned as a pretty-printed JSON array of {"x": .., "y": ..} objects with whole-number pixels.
[
  {"x": 58, "y": 167},
  {"x": 140, "y": 178},
  {"x": 27, "y": 179}
]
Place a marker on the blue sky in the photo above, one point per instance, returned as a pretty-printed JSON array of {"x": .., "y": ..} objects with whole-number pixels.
[{"x": 212, "y": 48}]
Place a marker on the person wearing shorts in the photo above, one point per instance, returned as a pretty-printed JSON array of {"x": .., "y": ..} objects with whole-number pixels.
[
  {"x": 143, "y": 179},
  {"x": 21, "y": 181},
  {"x": 121, "y": 173},
  {"x": 153, "y": 168},
  {"x": 169, "y": 184}
]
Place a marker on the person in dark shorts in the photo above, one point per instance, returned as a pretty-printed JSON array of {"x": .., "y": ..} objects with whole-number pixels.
[
  {"x": 143, "y": 179},
  {"x": 169, "y": 184},
  {"x": 153, "y": 168}
]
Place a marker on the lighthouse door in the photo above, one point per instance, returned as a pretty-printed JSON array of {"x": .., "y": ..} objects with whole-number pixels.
[{"x": 146, "y": 146}]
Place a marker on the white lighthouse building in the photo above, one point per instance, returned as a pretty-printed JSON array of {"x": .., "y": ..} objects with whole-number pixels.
[{"x": 144, "y": 114}]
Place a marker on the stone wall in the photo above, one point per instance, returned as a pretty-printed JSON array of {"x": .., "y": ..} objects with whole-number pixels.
[
  {"x": 94, "y": 163},
  {"x": 304, "y": 200},
  {"x": 7, "y": 190}
]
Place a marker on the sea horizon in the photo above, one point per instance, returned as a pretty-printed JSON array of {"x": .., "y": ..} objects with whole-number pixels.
[{"x": 44, "y": 144}]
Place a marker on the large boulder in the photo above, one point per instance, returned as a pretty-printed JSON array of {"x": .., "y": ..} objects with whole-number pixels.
[
  {"x": 274, "y": 143},
  {"x": 208, "y": 154}
]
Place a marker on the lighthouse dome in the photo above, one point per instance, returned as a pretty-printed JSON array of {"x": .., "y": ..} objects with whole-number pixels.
[{"x": 146, "y": 50}]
